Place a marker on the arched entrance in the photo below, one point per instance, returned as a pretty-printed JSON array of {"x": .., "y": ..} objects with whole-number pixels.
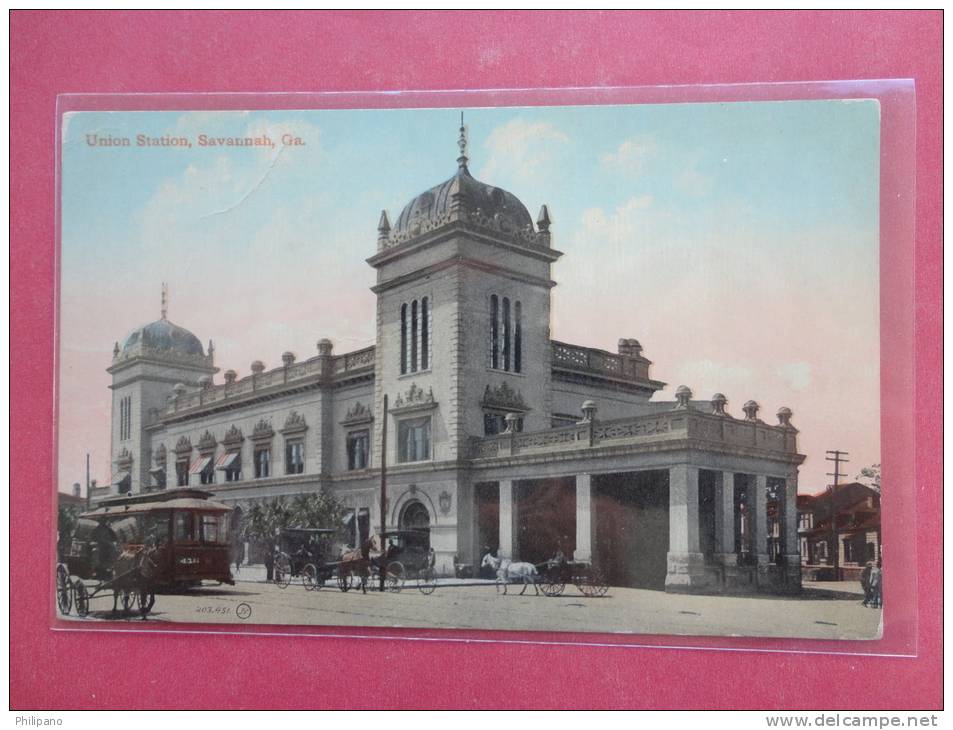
[{"x": 415, "y": 516}]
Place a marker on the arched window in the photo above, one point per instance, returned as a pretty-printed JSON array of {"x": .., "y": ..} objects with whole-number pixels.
[
  {"x": 517, "y": 337},
  {"x": 415, "y": 336},
  {"x": 494, "y": 332},
  {"x": 424, "y": 333},
  {"x": 506, "y": 334},
  {"x": 403, "y": 339}
]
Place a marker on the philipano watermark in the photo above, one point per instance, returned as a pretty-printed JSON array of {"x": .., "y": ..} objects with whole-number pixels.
[
  {"x": 825, "y": 720},
  {"x": 34, "y": 721}
]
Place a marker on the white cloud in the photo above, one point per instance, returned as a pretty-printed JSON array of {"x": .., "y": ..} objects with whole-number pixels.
[
  {"x": 706, "y": 377},
  {"x": 633, "y": 154},
  {"x": 521, "y": 149},
  {"x": 797, "y": 375}
]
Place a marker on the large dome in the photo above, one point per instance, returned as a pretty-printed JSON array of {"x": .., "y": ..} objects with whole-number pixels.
[
  {"x": 433, "y": 206},
  {"x": 161, "y": 337}
]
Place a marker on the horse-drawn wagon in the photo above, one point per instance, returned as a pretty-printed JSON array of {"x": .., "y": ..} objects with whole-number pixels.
[
  {"x": 401, "y": 555},
  {"x": 304, "y": 552},
  {"x": 550, "y": 577},
  {"x": 130, "y": 547}
]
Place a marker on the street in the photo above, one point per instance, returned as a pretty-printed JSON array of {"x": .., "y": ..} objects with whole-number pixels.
[{"x": 823, "y": 611}]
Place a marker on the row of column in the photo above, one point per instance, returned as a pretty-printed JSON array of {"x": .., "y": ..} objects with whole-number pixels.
[{"x": 684, "y": 523}]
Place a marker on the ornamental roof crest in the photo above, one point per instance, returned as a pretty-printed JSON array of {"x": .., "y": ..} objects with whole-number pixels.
[
  {"x": 294, "y": 422},
  {"x": 233, "y": 436},
  {"x": 504, "y": 397},
  {"x": 207, "y": 442}
]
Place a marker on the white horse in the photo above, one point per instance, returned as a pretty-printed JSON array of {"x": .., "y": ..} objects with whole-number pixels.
[{"x": 507, "y": 571}]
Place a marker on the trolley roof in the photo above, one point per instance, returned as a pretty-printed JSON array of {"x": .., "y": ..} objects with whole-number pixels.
[{"x": 131, "y": 509}]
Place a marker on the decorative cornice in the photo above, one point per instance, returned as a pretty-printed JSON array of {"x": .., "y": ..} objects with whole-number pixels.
[
  {"x": 262, "y": 431},
  {"x": 414, "y": 400},
  {"x": 357, "y": 414},
  {"x": 124, "y": 459},
  {"x": 208, "y": 442},
  {"x": 183, "y": 445},
  {"x": 294, "y": 423},
  {"x": 504, "y": 398},
  {"x": 465, "y": 262},
  {"x": 233, "y": 437}
]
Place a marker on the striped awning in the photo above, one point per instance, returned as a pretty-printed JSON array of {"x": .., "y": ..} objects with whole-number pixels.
[
  {"x": 229, "y": 460},
  {"x": 200, "y": 464}
]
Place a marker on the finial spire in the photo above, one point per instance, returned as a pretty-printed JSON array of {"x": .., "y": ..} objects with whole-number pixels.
[
  {"x": 462, "y": 144},
  {"x": 165, "y": 299}
]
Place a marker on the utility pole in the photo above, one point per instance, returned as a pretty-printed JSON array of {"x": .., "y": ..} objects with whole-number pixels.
[
  {"x": 383, "y": 565},
  {"x": 838, "y": 458},
  {"x": 88, "y": 496}
]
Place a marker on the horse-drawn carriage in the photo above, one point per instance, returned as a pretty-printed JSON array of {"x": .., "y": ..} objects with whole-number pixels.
[
  {"x": 555, "y": 574},
  {"x": 401, "y": 555},
  {"x": 304, "y": 553},
  {"x": 130, "y": 547},
  {"x": 549, "y": 577}
]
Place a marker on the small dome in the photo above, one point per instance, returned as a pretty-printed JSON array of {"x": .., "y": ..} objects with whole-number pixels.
[
  {"x": 160, "y": 337},
  {"x": 476, "y": 197}
]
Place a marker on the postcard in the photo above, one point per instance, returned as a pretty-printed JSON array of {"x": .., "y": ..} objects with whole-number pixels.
[{"x": 606, "y": 369}]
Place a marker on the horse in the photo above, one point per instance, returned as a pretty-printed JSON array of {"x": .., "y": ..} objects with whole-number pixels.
[{"x": 507, "y": 570}]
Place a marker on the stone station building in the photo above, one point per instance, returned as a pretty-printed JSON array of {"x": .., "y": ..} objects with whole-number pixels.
[{"x": 499, "y": 438}]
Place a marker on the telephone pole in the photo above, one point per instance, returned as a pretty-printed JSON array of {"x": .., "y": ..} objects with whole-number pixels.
[
  {"x": 383, "y": 563},
  {"x": 838, "y": 458},
  {"x": 88, "y": 495}
]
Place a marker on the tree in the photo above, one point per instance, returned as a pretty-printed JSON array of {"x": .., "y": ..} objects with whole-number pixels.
[
  {"x": 263, "y": 522},
  {"x": 872, "y": 474}
]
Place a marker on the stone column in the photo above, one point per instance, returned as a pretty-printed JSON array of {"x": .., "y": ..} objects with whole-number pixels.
[
  {"x": 686, "y": 564},
  {"x": 789, "y": 538},
  {"x": 584, "y": 518},
  {"x": 725, "y": 517},
  {"x": 759, "y": 509},
  {"x": 507, "y": 519}
]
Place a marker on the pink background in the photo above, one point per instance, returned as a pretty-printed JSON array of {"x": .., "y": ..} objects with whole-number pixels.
[{"x": 56, "y": 53}]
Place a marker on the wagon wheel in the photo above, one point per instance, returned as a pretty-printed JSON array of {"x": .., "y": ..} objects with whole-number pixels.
[
  {"x": 64, "y": 594},
  {"x": 344, "y": 581},
  {"x": 283, "y": 571},
  {"x": 394, "y": 577},
  {"x": 593, "y": 584},
  {"x": 309, "y": 577},
  {"x": 427, "y": 581},
  {"x": 551, "y": 583},
  {"x": 80, "y": 598}
]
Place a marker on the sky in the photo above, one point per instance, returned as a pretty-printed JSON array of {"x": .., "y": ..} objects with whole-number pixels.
[{"x": 738, "y": 242}]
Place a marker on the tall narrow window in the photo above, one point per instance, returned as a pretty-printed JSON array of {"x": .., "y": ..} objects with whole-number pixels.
[
  {"x": 413, "y": 440},
  {"x": 358, "y": 448},
  {"x": 494, "y": 332},
  {"x": 125, "y": 417},
  {"x": 403, "y": 339},
  {"x": 413, "y": 336},
  {"x": 424, "y": 333},
  {"x": 294, "y": 457},
  {"x": 517, "y": 337},
  {"x": 506, "y": 333},
  {"x": 262, "y": 462}
]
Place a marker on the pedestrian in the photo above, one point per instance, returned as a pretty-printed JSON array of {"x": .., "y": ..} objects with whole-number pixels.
[
  {"x": 865, "y": 582},
  {"x": 876, "y": 586},
  {"x": 269, "y": 562}
]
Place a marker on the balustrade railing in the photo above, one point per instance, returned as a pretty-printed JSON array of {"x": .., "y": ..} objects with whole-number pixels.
[
  {"x": 640, "y": 429},
  {"x": 340, "y": 364},
  {"x": 600, "y": 362}
]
